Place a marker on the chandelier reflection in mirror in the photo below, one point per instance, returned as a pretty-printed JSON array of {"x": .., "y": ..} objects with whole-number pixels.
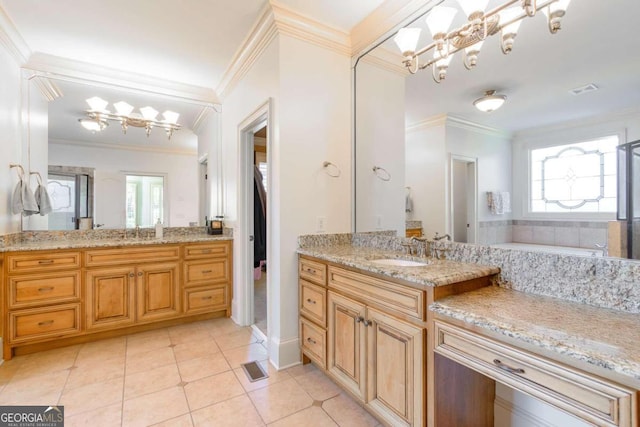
[
  {"x": 98, "y": 116},
  {"x": 504, "y": 19}
]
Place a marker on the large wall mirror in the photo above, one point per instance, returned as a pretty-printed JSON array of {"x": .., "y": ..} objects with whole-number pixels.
[
  {"x": 116, "y": 177},
  {"x": 539, "y": 171}
]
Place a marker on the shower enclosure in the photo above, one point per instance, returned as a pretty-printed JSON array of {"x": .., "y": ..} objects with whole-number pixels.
[{"x": 629, "y": 195}]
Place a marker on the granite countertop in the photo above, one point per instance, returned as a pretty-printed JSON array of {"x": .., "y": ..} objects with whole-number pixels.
[
  {"x": 435, "y": 273},
  {"x": 106, "y": 243},
  {"x": 598, "y": 336}
]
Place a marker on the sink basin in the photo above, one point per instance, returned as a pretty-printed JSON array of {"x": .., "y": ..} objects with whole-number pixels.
[{"x": 398, "y": 262}]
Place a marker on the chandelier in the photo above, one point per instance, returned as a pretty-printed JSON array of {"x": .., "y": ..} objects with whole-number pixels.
[
  {"x": 505, "y": 19},
  {"x": 98, "y": 117}
]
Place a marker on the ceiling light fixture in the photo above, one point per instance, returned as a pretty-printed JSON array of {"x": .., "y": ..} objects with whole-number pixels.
[
  {"x": 470, "y": 36},
  {"x": 490, "y": 101},
  {"x": 97, "y": 116}
]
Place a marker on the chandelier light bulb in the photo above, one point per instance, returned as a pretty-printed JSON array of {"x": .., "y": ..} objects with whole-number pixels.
[
  {"x": 439, "y": 20},
  {"x": 123, "y": 108},
  {"x": 471, "y": 55},
  {"x": 471, "y": 7},
  {"x": 93, "y": 125},
  {"x": 489, "y": 102},
  {"x": 554, "y": 13},
  {"x": 149, "y": 113},
  {"x": 97, "y": 104},
  {"x": 407, "y": 40},
  {"x": 170, "y": 116}
]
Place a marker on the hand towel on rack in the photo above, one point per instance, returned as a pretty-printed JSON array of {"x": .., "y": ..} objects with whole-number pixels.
[
  {"x": 43, "y": 200},
  {"x": 23, "y": 200},
  {"x": 506, "y": 201},
  {"x": 408, "y": 203},
  {"x": 495, "y": 202}
]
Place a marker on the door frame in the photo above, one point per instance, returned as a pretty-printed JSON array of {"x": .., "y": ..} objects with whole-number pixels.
[
  {"x": 245, "y": 291},
  {"x": 474, "y": 217}
]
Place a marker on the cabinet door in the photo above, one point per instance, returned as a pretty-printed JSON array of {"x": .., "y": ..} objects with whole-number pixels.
[
  {"x": 109, "y": 297},
  {"x": 346, "y": 349},
  {"x": 395, "y": 369},
  {"x": 158, "y": 290}
]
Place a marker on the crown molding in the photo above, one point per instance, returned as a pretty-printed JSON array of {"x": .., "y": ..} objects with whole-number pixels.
[
  {"x": 47, "y": 87},
  {"x": 145, "y": 148},
  {"x": 202, "y": 117},
  {"x": 456, "y": 122},
  {"x": 259, "y": 38},
  {"x": 12, "y": 39},
  {"x": 55, "y": 67},
  {"x": 386, "y": 60},
  {"x": 383, "y": 22},
  {"x": 306, "y": 29}
]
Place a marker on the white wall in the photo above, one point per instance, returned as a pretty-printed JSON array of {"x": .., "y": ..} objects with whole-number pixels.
[
  {"x": 109, "y": 203},
  {"x": 10, "y": 138},
  {"x": 209, "y": 146},
  {"x": 380, "y": 136}
]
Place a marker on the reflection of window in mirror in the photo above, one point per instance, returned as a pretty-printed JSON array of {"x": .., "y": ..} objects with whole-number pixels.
[
  {"x": 144, "y": 200},
  {"x": 577, "y": 177},
  {"x": 71, "y": 192}
]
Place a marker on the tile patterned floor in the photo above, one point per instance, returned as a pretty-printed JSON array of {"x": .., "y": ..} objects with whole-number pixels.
[{"x": 186, "y": 375}]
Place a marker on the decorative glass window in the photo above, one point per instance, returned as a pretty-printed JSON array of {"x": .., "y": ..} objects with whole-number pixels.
[
  {"x": 144, "y": 200},
  {"x": 579, "y": 177}
]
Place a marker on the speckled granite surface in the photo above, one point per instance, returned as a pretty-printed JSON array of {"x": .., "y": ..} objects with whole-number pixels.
[
  {"x": 435, "y": 273},
  {"x": 50, "y": 240},
  {"x": 601, "y": 337},
  {"x": 413, "y": 224}
]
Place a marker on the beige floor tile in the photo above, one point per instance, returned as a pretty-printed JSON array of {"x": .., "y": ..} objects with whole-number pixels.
[
  {"x": 48, "y": 361},
  {"x": 217, "y": 327},
  {"x": 275, "y": 376},
  {"x": 151, "y": 381},
  {"x": 8, "y": 370},
  {"x": 147, "y": 335},
  {"x": 310, "y": 417},
  {"x": 214, "y": 389},
  {"x": 95, "y": 372},
  {"x": 240, "y": 355},
  {"x": 107, "y": 416},
  {"x": 141, "y": 362},
  {"x": 318, "y": 385},
  {"x": 112, "y": 348},
  {"x": 236, "y": 339},
  {"x": 181, "y": 421},
  {"x": 301, "y": 369},
  {"x": 154, "y": 407},
  {"x": 347, "y": 412},
  {"x": 194, "y": 369},
  {"x": 145, "y": 344},
  {"x": 236, "y": 412},
  {"x": 92, "y": 396},
  {"x": 280, "y": 400},
  {"x": 34, "y": 390},
  {"x": 195, "y": 349},
  {"x": 190, "y": 335}
]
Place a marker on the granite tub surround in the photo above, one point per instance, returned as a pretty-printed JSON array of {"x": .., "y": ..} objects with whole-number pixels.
[
  {"x": 69, "y": 239},
  {"x": 599, "y": 281},
  {"x": 361, "y": 249},
  {"x": 600, "y": 337}
]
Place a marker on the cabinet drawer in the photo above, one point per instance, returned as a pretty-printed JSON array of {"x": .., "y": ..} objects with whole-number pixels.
[
  {"x": 206, "y": 299},
  {"x": 28, "y": 290},
  {"x": 131, "y": 255},
  {"x": 32, "y": 324},
  {"x": 590, "y": 398},
  {"x": 207, "y": 250},
  {"x": 379, "y": 293},
  {"x": 207, "y": 272},
  {"x": 314, "y": 342},
  {"x": 37, "y": 261},
  {"x": 312, "y": 271},
  {"x": 313, "y": 302}
]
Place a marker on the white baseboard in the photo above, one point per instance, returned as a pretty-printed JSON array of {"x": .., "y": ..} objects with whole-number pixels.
[{"x": 284, "y": 353}]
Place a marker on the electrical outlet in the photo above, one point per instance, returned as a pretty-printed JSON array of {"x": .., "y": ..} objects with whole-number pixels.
[
  {"x": 321, "y": 224},
  {"x": 378, "y": 222}
]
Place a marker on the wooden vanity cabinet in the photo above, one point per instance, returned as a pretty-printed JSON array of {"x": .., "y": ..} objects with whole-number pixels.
[
  {"x": 312, "y": 282},
  {"x": 207, "y": 277}
]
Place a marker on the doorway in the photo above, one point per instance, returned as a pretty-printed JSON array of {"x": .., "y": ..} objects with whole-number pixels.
[
  {"x": 463, "y": 190},
  {"x": 260, "y": 185}
]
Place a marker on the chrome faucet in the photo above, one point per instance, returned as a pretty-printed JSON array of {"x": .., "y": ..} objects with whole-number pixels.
[
  {"x": 437, "y": 237},
  {"x": 604, "y": 248},
  {"x": 423, "y": 250}
]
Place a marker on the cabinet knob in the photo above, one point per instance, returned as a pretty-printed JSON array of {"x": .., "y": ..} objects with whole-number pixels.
[
  {"x": 131, "y": 274},
  {"x": 140, "y": 273},
  {"x": 311, "y": 270},
  {"x": 310, "y": 301},
  {"x": 507, "y": 368},
  {"x": 366, "y": 322},
  {"x": 312, "y": 341},
  {"x": 359, "y": 319},
  {"x": 45, "y": 323}
]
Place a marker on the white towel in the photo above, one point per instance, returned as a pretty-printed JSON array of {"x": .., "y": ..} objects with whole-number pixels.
[
  {"x": 43, "y": 200},
  {"x": 499, "y": 202},
  {"x": 23, "y": 200},
  {"x": 408, "y": 203},
  {"x": 506, "y": 201}
]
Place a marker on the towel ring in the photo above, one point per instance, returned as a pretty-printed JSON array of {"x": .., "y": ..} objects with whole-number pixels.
[
  {"x": 382, "y": 173},
  {"x": 38, "y": 177},
  {"x": 21, "y": 172},
  {"x": 336, "y": 169}
]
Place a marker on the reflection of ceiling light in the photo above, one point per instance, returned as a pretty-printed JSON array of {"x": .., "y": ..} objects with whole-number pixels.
[
  {"x": 469, "y": 37},
  {"x": 97, "y": 117},
  {"x": 490, "y": 101}
]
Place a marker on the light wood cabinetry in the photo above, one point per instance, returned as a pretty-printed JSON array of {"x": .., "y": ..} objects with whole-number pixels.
[
  {"x": 52, "y": 298},
  {"x": 313, "y": 315},
  {"x": 413, "y": 232}
]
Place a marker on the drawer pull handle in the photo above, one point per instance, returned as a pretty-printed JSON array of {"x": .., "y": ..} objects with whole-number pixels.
[
  {"x": 206, "y": 251},
  {"x": 45, "y": 323},
  {"x": 209, "y": 297},
  {"x": 46, "y": 289},
  {"x": 131, "y": 274},
  {"x": 366, "y": 322},
  {"x": 507, "y": 368},
  {"x": 312, "y": 341},
  {"x": 310, "y": 301},
  {"x": 311, "y": 270},
  {"x": 206, "y": 271},
  {"x": 46, "y": 261}
]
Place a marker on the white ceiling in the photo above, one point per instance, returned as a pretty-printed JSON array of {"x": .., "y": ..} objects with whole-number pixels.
[
  {"x": 340, "y": 14},
  {"x": 597, "y": 44}
]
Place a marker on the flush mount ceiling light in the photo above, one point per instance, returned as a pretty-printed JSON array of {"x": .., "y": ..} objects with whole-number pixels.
[
  {"x": 505, "y": 19},
  {"x": 97, "y": 116},
  {"x": 490, "y": 101}
]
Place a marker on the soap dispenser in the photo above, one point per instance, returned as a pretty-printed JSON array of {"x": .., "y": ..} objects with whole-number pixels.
[{"x": 159, "y": 229}]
